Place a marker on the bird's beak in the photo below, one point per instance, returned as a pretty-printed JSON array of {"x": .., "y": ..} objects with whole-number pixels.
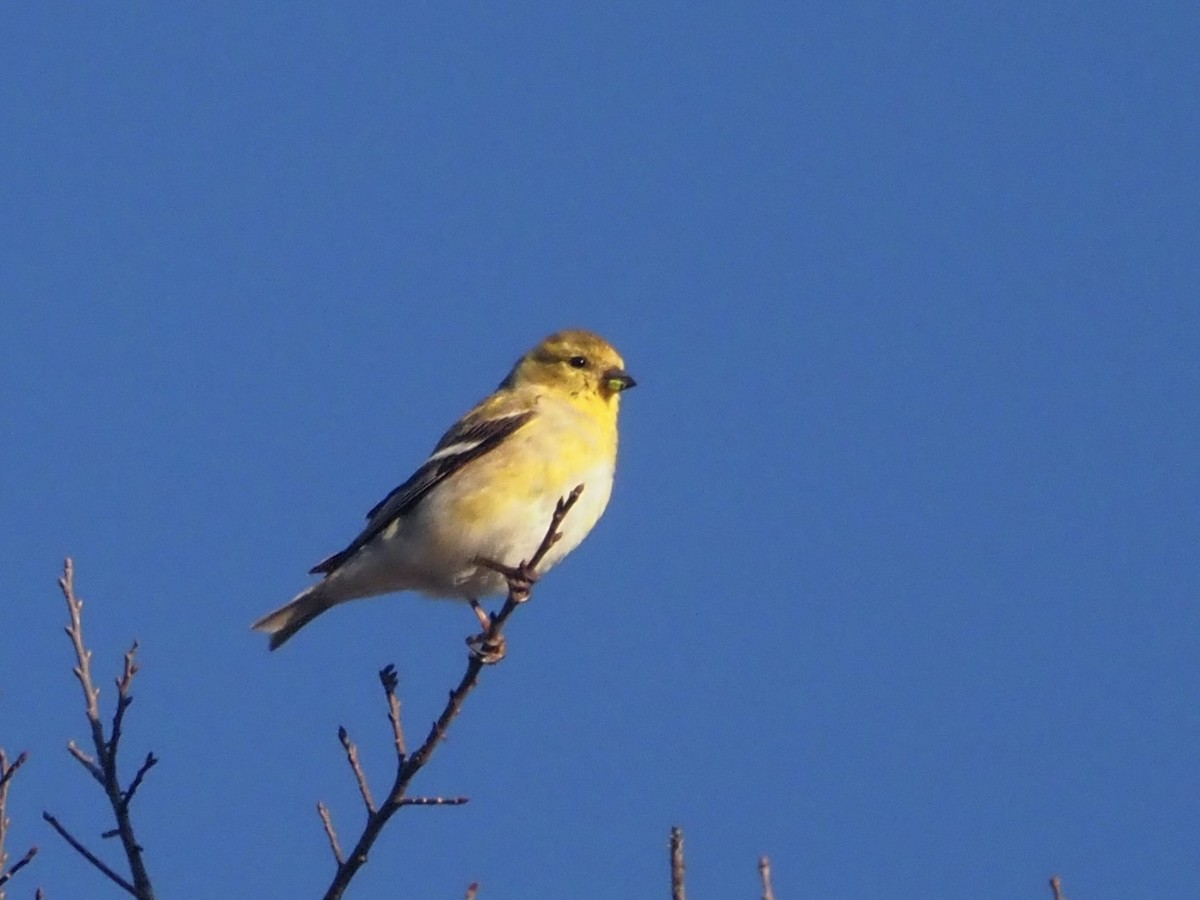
[{"x": 618, "y": 380}]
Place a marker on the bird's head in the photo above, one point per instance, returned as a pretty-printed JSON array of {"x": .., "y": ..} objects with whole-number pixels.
[{"x": 579, "y": 363}]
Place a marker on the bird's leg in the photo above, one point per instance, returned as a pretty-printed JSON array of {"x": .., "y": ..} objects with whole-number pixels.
[
  {"x": 487, "y": 647},
  {"x": 484, "y": 617},
  {"x": 521, "y": 578}
]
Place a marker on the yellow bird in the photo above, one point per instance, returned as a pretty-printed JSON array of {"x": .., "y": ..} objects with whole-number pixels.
[{"x": 488, "y": 489}]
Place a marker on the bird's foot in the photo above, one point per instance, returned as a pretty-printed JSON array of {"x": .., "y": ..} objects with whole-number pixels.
[
  {"x": 521, "y": 579},
  {"x": 488, "y": 649}
]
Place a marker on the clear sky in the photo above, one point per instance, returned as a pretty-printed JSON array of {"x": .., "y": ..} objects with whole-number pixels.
[{"x": 899, "y": 580}]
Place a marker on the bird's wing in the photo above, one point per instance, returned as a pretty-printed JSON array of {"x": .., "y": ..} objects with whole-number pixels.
[{"x": 466, "y": 441}]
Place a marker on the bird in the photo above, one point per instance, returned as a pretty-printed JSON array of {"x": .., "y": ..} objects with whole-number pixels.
[{"x": 489, "y": 488}]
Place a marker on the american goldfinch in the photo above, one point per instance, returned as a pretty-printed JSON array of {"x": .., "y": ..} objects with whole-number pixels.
[{"x": 489, "y": 488}]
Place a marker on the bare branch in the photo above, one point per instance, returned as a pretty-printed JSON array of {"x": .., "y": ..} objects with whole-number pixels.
[
  {"x": 359, "y": 775},
  {"x": 390, "y": 680},
  {"x": 7, "y": 771},
  {"x": 6, "y": 776},
  {"x": 484, "y": 649},
  {"x": 86, "y": 761},
  {"x": 1056, "y": 887},
  {"x": 327, "y": 822},
  {"x": 89, "y": 855},
  {"x": 18, "y": 866},
  {"x": 434, "y": 801},
  {"x": 150, "y": 762},
  {"x": 472, "y": 890},
  {"x": 764, "y": 869},
  {"x": 677, "y": 867},
  {"x": 103, "y": 766},
  {"x": 83, "y": 656},
  {"x": 124, "y": 683}
]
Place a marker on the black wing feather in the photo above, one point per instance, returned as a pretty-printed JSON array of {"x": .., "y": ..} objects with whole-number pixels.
[{"x": 482, "y": 437}]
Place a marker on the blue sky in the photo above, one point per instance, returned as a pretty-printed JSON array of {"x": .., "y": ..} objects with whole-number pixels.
[{"x": 899, "y": 581}]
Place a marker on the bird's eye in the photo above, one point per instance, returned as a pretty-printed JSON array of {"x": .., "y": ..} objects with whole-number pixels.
[{"x": 578, "y": 362}]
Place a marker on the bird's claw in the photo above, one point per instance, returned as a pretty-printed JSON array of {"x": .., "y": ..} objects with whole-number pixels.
[
  {"x": 489, "y": 650},
  {"x": 521, "y": 579}
]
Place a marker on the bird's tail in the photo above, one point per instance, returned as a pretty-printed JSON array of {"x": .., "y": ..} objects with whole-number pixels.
[{"x": 291, "y": 617}]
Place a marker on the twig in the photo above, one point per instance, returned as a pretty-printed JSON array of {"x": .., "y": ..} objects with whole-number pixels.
[
  {"x": 485, "y": 648},
  {"x": 434, "y": 801},
  {"x": 390, "y": 681},
  {"x": 7, "y": 772},
  {"x": 88, "y": 854},
  {"x": 764, "y": 869},
  {"x": 323, "y": 812},
  {"x": 20, "y": 864},
  {"x": 1056, "y": 887},
  {"x": 103, "y": 767},
  {"x": 472, "y": 890},
  {"x": 359, "y": 775},
  {"x": 149, "y": 763},
  {"x": 6, "y": 775},
  {"x": 677, "y": 867},
  {"x": 86, "y": 761}
]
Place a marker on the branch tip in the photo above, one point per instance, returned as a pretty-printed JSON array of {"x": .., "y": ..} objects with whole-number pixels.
[
  {"x": 327, "y": 824},
  {"x": 677, "y": 867},
  {"x": 764, "y": 870},
  {"x": 356, "y": 767}
]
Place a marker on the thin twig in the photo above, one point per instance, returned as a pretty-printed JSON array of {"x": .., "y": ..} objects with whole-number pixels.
[
  {"x": 472, "y": 890},
  {"x": 677, "y": 867},
  {"x": 103, "y": 767},
  {"x": 485, "y": 648},
  {"x": 390, "y": 681},
  {"x": 86, "y": 761},
  {"x": 88, "y": 854},
  {"x": 359, "y": 775},
  {"x": 327, "y": 822},
  {"x": 6, "y": 776},
  {"x": 20, "y": 864},
  {"x": 1056, "y": 887},
  {"x": 124, "y": 683},
  {"x": 764, "y": 870},
  {"x": 434, "y": 801},
  {"x": 7, "y": 772},
  {"x": 150, "y": 762}
]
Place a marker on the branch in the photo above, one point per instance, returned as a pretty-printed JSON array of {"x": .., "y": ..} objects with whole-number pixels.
[
  {"x": 103, "y": 766},
  {"x": 764, "y": 869},
  {"x": 434, "y": 801},
  {"x": 1056, "y": 887},
  {"x": 323, "y": 812},
  {"x": 390, "y": 680},
  {"x": 148, "y": 764},
  {"x": 7, "y": 772},
  {"x": 21, "y": 863},
  {"x": 485, "y": 648},
  {"x": 677, "y": 867},
  {"x": 359, "y": 775},
  {"x": 6, "y": 775},
  {"x": 88, "y": 854}
]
